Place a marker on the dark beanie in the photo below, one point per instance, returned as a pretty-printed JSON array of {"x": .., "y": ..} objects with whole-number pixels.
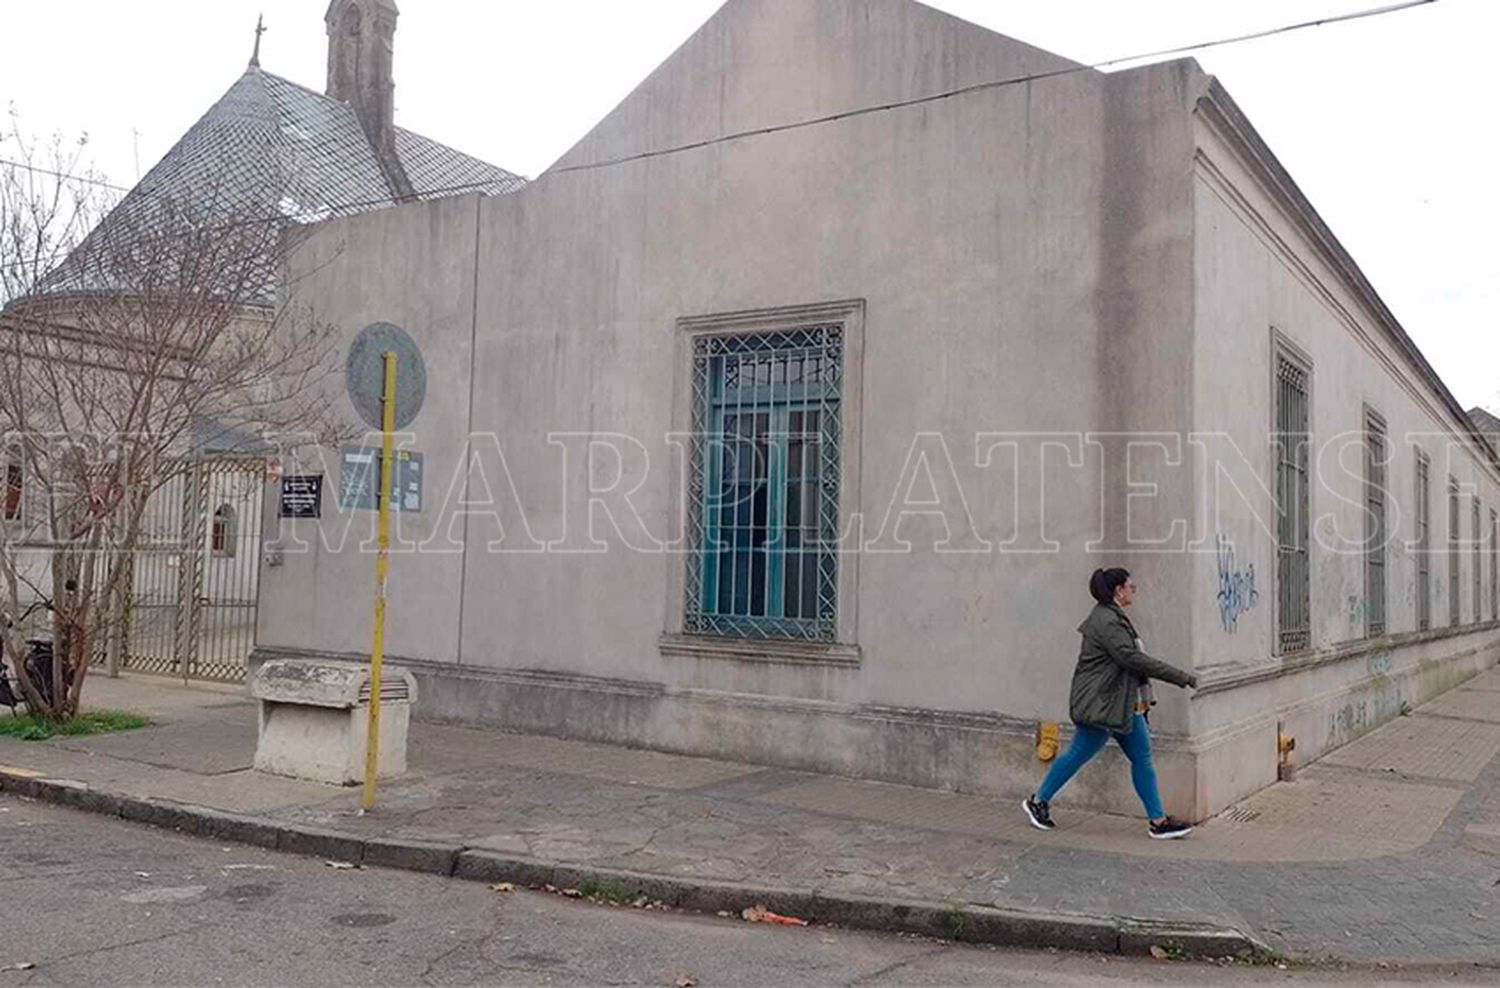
[{"x": 1104, "y": 583}]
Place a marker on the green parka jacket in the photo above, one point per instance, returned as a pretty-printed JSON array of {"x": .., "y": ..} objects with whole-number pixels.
[{"x": 1111, "y": 668}]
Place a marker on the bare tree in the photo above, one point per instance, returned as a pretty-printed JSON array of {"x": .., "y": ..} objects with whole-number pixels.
[{"x": 128, "y": 329}]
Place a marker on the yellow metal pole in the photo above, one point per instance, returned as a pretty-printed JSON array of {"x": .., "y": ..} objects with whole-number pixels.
[{"x": 382, "y": 567}]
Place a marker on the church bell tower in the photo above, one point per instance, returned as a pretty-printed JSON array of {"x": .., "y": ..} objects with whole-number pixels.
[{"x": 361, "y": 41}]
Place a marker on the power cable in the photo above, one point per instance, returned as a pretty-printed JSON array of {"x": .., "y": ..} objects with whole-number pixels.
[
  {"x": 978, "y": 87},
  {"x": 353, "y": 205}
]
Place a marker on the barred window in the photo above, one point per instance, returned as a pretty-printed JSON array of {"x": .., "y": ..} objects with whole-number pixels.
[
  {"x": 764, "y": 487},
  {"x": 1375, "y": 530},
  {"x": 1455, "y": 602},
  {"x": 222, "y": 534},
  {"x": 1293, "y": 603},
  {"x": 1423, "y": 503},
  {"x": 1478, "y": 566},
  {"x": 1494, "y": 565},
  {"x": 15, "y": 486}
]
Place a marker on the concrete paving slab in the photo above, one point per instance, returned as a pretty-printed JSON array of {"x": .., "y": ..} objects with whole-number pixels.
[
  {"x": 1430, "y": 747},
  {"x": 1312, "y": 865},
  {"x": 953, "y": 813},
  {"x": 1252, "y": 837},
  {"x": 1469, "y": 704},
  {"x": 1484, "y": 838},
  {"x": 1326, "y": 805},
  {"x": 596, "y": 761},
  {"x": 158, "y": 695},
  {"x": 1305, "y": 821},
  {"x": 237, "y": 792},
  {"x": 223, "y": 743},
  {"x": 1485, "y": 681}
]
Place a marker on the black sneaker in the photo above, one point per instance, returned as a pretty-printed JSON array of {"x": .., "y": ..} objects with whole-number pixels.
[
  {"x": 1039, "y": 813},
  {"x": 1170, "y": 829}
]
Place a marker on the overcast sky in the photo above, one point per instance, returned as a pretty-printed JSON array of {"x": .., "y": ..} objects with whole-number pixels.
[{"x": 1386, "y": 123}]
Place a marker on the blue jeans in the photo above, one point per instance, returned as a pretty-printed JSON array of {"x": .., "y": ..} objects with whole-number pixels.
[{"x": 1088, "y": 742}]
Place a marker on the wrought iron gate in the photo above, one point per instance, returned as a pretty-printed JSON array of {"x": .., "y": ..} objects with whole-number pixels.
[{"x": 195, "y": 575}]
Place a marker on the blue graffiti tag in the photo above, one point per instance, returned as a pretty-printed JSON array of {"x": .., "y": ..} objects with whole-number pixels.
[{"x": 1237, "y": 593}]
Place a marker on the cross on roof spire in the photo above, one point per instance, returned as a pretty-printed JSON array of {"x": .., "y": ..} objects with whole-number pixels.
[{"x": 260, "y": 28}]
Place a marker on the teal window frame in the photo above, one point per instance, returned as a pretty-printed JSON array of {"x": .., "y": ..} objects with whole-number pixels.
[{"x": 764, "y": 488}]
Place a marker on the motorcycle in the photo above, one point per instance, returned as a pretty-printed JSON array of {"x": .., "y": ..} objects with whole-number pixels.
[{"x": 37, "y": 663}]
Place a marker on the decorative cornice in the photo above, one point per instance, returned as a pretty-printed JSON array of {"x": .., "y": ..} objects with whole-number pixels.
[{"x": 1306, "y": 661}]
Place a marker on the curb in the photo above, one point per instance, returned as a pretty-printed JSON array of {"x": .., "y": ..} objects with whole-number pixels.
[{"x": 966, "y": 922}]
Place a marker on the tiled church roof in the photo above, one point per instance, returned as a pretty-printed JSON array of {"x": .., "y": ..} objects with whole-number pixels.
[{"x": 272, "y": 148}]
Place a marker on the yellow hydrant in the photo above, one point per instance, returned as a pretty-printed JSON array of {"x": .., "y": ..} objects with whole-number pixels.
[
  {"x": 1286, "y": 769},
  {"x": 1046, "y": 741}
]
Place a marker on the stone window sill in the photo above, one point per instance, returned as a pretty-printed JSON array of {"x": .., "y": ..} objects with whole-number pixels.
[{"x": 753, "y": 650}]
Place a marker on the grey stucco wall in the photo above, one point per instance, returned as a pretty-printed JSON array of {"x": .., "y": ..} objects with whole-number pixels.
[
  {"x": 1022, "y": 256},
  {"x": 1262, "y": 276},
  {"x": 969, "y": 229},
  {"x": 1032, "y": 258},
  {"x": 412, "y": 266}
]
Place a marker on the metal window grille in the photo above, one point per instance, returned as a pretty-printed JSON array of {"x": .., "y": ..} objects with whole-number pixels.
[
  {"x": 15, "y": 485},
  {"x": 1424, "y": 543},
  {"x": 1494, "y": 565},
  {"x": 1478, "y": 566},
  {"x": 764, "y": 487},
  {"x": 221, "y": 541},
  {"x": 1455, "y": 602},
  {"x": 1294, "y": 604},
  {"x": 1375, "y": 532}
]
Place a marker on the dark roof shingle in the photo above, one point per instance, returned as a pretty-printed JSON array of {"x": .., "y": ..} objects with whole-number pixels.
[{"x": 271, "y": 148}]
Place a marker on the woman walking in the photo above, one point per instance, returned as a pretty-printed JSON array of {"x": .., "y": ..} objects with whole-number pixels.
[{"x": 1111, "y": 696}]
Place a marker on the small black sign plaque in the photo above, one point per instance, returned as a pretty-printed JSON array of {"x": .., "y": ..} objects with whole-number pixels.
[{"x": 302, "y": 497}]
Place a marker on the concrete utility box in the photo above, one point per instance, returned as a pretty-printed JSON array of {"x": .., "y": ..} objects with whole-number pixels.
[{"x": 314, "y": 719}]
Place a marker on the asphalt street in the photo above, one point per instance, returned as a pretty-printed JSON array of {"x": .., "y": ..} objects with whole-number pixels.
[{"x": 90, "y": 900}]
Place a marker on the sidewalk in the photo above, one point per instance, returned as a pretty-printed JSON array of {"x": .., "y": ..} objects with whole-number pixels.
[{"x": 1388, "y": 850}]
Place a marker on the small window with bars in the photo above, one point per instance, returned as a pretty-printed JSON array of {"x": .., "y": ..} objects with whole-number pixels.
[
  {"x": 1375, "y": 524},
  {"x": 1423, "y": 502},
  {"x": 1494, "y": 565},
  {"x": 222, "y": 534},
  {"x": 764, "y": 487},
  {"x": 1455, "y": 599},
  {"x": 1478, "y": 566},
  {"x": 15, "y": 488},
  {"x": 1293, "y": 563}
]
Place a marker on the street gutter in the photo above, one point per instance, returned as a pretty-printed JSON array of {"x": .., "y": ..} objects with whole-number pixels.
[{"x": 966, "y": 922}]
